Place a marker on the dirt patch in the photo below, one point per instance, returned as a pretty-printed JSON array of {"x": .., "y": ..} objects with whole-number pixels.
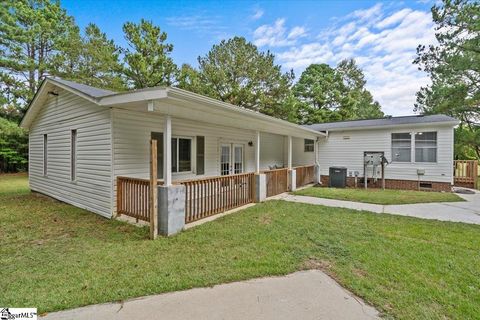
[
  {"x": 311, "y": 263},
  {"x": 265, "y": 219},
  {"x": 359, "y": 272}
]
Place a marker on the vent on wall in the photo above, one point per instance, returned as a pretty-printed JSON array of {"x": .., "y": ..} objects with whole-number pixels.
[
  {"x": 425, "y": 185},
  {"x": 346, "y": 137}
]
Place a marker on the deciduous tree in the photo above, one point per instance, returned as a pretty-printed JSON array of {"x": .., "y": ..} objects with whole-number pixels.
[{"x": 329, "y": 94}]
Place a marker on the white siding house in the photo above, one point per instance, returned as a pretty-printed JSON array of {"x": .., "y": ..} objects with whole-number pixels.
[
  {"x": 91, "y": 187},
  {"x": 112, "y": 135},
  {"x": 346, "y": 142},
  {"x": 83, "y": 138}
]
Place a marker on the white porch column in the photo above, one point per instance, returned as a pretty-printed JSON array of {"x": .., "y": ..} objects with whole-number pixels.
[
  {"x": 317, "y": 178},
  {"x": 257, "y": 153},
  {"x": 289, "y": 152},
  {"x": 167, "y": 151}
]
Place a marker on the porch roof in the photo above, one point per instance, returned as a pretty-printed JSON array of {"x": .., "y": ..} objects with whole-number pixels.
[{"x": 174, "y": 102}]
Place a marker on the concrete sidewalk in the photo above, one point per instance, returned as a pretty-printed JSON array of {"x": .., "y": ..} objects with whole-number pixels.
[
  {"x": 301, "y": 295},
  {"x": 467, "y": 212}
]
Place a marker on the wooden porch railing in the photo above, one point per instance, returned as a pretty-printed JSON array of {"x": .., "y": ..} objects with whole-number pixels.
[
  {"x": 132, "y": 198},
  {"x": 465, "y": 173},
  {"x": 277, "y": 181},
  {"x": 305, "y": 175},
  {"x": 209, "y": 196}
]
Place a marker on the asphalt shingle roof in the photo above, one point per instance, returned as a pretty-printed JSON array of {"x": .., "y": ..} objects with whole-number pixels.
[
  {"x": 88, "y": 90},
  {"x": 388, "y": 121}
]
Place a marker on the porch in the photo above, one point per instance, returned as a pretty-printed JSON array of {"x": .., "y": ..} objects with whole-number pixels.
[
  {"x": 210, "y": 196},
  {"x": 207, "y": 158}
]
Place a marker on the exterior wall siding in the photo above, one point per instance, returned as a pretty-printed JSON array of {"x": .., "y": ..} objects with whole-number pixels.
[
  {"x": 299, "y": 156},
  {"x": 346, "y": 149},
  {"x": 92, "y": 188},
  {"x": 132, "y": 129},
  {"x": 131, "y": 136}
]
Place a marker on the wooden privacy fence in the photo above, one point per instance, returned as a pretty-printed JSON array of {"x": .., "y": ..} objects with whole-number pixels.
[
  {"x": 465, "y": 173},
  {"x": 305, "y": 175},
  {"x": 277, "y": 181},
  {"x": 133, "y": 195},
  {"x": 209, "y": 196}
]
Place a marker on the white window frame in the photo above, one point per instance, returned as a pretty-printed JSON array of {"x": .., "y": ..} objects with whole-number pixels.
[
  {"x": 73, "y": 154},
  {"x": 413, "y": 147},
  {"x": 414, "y": 134},
  {"x": 192, "y": 157},
  {"x": 391, "y": 146},
  {"x": 309, "y": 145},
  {"x": 45, "y": 154}
]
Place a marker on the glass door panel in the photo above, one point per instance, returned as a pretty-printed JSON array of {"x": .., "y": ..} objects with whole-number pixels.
[
  {"x": 225, "y": 159},
  {"x": 238, "y": 159}
]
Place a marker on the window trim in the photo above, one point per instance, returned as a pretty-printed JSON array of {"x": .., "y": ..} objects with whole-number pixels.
[
  {"x": 192, "y": 152},
  {"x": 412, "y": 147},
  {"x": 415, "y": 147},
  {"x": 73, "y": 154},
  {"x": 45, "y": 155},
  {"x": 391, "y": 146},
  {"x": 312, "y": 144}
]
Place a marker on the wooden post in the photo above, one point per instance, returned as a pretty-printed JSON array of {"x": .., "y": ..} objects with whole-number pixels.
[
  {"x": 383, "y": 175},
  {"x": 153, "y": 201}
]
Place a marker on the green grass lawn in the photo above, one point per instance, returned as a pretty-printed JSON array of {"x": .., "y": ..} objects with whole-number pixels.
[
  {"x": 379, "y": 196},
  {"x": 55, "y": 256}
]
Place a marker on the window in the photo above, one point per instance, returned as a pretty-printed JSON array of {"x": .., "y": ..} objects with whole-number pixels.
[
  {"x": 426, "y": 147},
  {"x": 309, "y": 145},
  {"x": 73, "y": 155},
  {"x": 45, "y": 154},
  {"x": 181, "y": 154},
  {"x": 401, "y": 147}
]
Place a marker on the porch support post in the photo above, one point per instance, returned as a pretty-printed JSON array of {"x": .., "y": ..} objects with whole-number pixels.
[
  {"x": 167, "y": 151},
  {"x": 260, "y": 187},
  {"x": 171, "y": 209},
  {"x": 316, "y": 179},
  {"x": 257, "y": 153},
  {"x": 153, "y": 208},
  {"x": 289, "y": 152},
  {"x": 292, "y": 173}
]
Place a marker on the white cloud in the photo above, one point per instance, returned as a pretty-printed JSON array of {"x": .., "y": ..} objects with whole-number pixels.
[
  {"x": 382, "y": 41},
  {"x": 368, "y": 14},
  {"x": 394, "y": 18},
  {"x": 297, "y": 32},
  {"x": 276, "y": 35},
  {"x": 199, "y": 23},
  {"x": 257, "y": 14}
]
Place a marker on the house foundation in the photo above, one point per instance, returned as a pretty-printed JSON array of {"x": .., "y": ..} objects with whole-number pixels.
[{"x": 396, "y": 184}]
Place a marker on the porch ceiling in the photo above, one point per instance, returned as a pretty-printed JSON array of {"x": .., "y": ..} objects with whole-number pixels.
[{"x": 183, "y": 104}]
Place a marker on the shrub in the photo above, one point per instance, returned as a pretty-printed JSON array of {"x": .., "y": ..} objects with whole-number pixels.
[{"x": 13, "y": 147}]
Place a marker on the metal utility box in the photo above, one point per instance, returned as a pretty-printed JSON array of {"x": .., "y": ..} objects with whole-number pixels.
[{"x": 338, "y": 177}]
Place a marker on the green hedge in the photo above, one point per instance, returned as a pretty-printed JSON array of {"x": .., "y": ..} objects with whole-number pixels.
[{"x": 13, "y": 147}]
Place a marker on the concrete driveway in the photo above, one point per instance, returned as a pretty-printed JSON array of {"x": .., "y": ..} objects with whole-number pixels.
[
  {"x": 301, "y": 295},
  {"x": 467, "y": 212}
]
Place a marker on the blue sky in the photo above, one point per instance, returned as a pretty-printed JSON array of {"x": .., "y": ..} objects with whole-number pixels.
[{"x": 381, "y": 36}]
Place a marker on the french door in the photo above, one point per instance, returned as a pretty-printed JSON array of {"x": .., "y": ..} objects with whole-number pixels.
[{"x": 231, "y": 158}]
